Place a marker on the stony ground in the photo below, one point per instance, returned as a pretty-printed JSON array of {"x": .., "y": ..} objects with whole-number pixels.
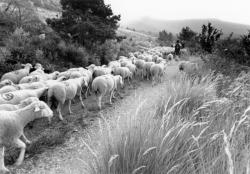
[{"x": 70, "y": 155}]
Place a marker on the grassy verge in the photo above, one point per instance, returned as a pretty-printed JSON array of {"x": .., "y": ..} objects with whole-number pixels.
[{"x": 190, "y": 130}]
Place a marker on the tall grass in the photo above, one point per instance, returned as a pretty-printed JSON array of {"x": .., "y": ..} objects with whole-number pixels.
[{"x": 191, "y": 130}]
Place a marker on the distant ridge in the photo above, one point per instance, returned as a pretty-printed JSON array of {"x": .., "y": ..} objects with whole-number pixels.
[{"x": 175, "y": 26}]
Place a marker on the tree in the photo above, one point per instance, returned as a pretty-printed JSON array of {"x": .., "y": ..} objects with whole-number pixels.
[
  {"x": 166, "y": 37},
  {"x": 186, "y": 34},
  {"x": 245, "y": 40},
  {"x": 86, "y": 21},
  {"x": 208, "y": 37}
]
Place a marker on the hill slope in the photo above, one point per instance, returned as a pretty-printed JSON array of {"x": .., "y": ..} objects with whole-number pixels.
[{"x": 174, "y": 26}]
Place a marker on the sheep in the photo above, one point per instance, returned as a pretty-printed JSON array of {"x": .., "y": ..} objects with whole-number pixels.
[
  {"x": 16, "y": 97},
  {"x": 16, "y": 76},
  {"x": 22, "y": 104},
  {"x": 157, "y": 71},
  {"x": 170, "y": 57},
  {"x": 12, "y": 124},
  {"x": 9, "y": 88},
  {"x": 124, "y": 72},
  {"x": 132, "y": 68},
  {"x": 66, "y": 90},
  {"x": 39, "y": 70},
  {"x": 139, "y": 67},
  {"x": 147, "y": 69},
  {"x": 106, "y": 84},
  {"x": 6, "y": 83},
  {"x": 113, "y": 64},
  {"x": 188, "y": 67},
  {"x": 26, "y": 79},
  {"x": 99, "y": 71}
]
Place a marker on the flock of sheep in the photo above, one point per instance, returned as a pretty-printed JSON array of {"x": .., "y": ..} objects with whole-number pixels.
[{"x": 20, "y": 91}]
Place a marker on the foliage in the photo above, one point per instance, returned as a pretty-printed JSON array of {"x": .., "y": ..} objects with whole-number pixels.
[
  {"x": 20, "y": 12},
  {"x": 187, "y": 34},
  {"x": 165, "y": 37},
  {"x": 86, "y": 21},
  {"x": 208, "y": 37},
  {"x": 246, "y": 42}
]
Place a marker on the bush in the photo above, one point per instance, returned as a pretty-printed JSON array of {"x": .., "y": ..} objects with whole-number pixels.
[{"x": 208, "y": 37}]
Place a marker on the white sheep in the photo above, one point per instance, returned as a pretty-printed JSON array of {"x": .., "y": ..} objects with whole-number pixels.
[
  {"x": 170, "y": 57},
  {"x": 99, "y": 71},
  {"x": 16, "y": 97},
  {"x": 188, "y": 67},
  {"x": 6, "y": 83},
  {"x": 139, "y": 67},
  {"x": 22, "y": 104},
  {"x": 39, "y": 70},
  {"x": 16, "y": 76},
  {"x": 26, "y": 79},
  {"x": 124, "y": 72},
  {"x": 147, "y": 67},
  {"x": 113, "y": 64},
  {"x": 66, "y": 90},
  {"x": 12, "y": 124},
  {"x": 106, "y": 84},
  {"x": 157, "y": 72},
  {"x": 9, "y": 88},
  {"x": 132, "y": 68}
]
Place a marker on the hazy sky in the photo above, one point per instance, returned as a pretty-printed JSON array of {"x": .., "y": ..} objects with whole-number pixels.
[{"x": 228, "y": 10}]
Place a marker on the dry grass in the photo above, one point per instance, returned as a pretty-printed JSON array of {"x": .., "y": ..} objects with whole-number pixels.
[{"x": 191, "y": 130}]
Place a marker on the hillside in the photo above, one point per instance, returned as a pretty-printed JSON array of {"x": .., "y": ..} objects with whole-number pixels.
[{"x": 174, "y": 26}]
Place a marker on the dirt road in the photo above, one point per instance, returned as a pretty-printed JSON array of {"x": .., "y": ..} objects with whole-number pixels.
[{"x": 71, "y": 156}]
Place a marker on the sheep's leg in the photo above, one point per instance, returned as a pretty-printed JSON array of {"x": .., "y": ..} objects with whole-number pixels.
[
  {"x": 21, "y": 145},
  {"x": 70, "y": 111},
  {"x": 26, "y": 139},
  {"x": 99, "y": 101},
  {"x": 110, "y": 98},
  {"x": 3, "y": 168},
  {"x": 59, "y": 111},
  {"x": 80, "y": 97}
]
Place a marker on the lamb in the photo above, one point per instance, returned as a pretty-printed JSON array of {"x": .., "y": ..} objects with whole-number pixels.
[
  {"x": 16, "y": 76},
  {"x": 12, "y": 124},
  {"x": 22, "y": 104},
  {"x": 157, "y": 72},
  {"x": 16, "y": 97},
  {"x": 106, "y": 84},
  {"x": 66, "y": 90},
  {"x": 188, "y": 67}
]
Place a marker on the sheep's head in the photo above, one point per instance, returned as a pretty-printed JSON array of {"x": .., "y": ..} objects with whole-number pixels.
[
  {"x": 6, "y": 83},
  {"x": 39, "y": 66},
  {"x": 42, "y": 110},
  {"x": 28, "y": 101},
  {"x": 27, "y": 66}
]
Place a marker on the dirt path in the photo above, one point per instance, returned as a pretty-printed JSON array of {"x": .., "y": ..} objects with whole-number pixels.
[{"x": 69, "y": 157}]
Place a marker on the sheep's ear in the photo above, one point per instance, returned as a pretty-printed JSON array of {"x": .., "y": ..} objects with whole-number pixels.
[{"x": 37, "y": 108}]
